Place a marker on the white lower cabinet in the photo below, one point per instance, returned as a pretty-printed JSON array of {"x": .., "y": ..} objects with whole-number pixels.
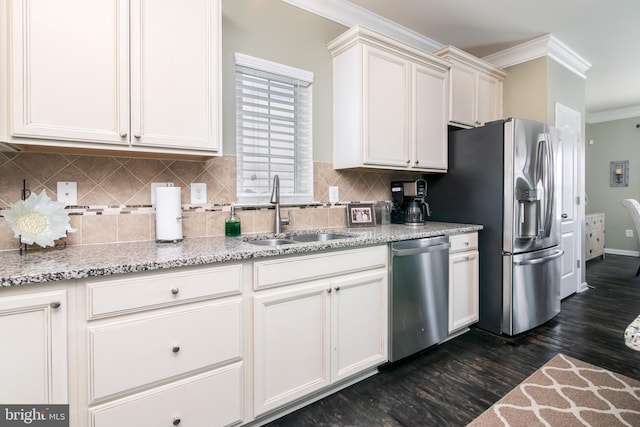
[
  {"x": 33, "y": 361},
  {"x": 165, "y": 348},
  {"x": 291, "y": 337},
  {"x": 359, "y": 319},
  {"x": 311, "y": 335},
  {"x": 464, "y": 298}
]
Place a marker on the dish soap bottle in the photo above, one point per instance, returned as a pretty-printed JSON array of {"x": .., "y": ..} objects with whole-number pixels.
[{"x": 232, "y": 224}]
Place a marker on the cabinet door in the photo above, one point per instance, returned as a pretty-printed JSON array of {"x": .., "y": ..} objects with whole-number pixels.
[
  {"x": 386, "y": 109},
  {"x": 175, "y": 73},
  {"x": 489, "y": 103},
  {"x": 291, "y": 351},
  {"x": 33, "y": 362},
  {"x": 359, "y": 318},
  {"x": 463, "y": 289},
  {"x": 70, "y": 70},
  {"x": 430, "y": 109},
  {"x": 463, "y": 95}
]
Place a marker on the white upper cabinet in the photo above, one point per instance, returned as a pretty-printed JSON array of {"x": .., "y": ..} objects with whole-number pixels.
[
  {"x": 136, "y": 75},
  {"x": 386, "y": 100},
  {"x": 476, "y": 89},
  {"x": 390, "y": 104}
]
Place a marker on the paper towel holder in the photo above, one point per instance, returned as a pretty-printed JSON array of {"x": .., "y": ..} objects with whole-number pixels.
[{"x": 168, "y": 214}]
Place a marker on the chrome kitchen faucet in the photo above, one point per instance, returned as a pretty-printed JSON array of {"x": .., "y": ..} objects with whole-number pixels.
[{"x": 275, "y": 199}]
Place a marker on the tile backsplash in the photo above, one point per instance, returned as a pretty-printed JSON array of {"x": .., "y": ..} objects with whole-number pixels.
[{"x": 114, "y": 195}]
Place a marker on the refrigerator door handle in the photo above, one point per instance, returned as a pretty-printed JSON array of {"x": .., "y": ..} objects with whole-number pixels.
[
  {"x": 549, "y": 180},
  {"x": 545, "y": 175},
  {"x": 542, "y": 260}
]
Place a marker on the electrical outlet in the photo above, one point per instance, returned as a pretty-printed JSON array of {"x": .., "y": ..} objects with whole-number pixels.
[
  {"x": 629, "y": 233},
  {"x": 153, "y": 189},
  {"x": 198, "y": 193},
  {"x": 68, "y": 192}
]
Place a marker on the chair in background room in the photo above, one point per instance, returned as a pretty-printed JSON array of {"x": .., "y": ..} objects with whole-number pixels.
[{"x": 633, "y": 207}]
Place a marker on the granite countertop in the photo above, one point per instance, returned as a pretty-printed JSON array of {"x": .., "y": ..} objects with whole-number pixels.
[{"x": 76, "y": 262}]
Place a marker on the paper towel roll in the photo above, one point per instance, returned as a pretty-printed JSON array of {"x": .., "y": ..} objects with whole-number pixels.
[{"x": 168, "y": 214}]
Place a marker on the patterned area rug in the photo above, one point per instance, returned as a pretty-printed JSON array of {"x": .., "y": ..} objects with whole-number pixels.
[{"x": 567, "y": 392}]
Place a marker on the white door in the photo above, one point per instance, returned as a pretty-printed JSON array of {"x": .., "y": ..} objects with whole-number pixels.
[
  {"x": 33, "y": 362},
  {"x": 291, "y": 350},
  {"x": 359, "y": 317},
  {"x": 569, "y": 123},
  {"x": 386, "y": 109}
]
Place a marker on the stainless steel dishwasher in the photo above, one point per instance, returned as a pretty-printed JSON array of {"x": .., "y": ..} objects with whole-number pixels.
[{"x": 419, "y": 297}]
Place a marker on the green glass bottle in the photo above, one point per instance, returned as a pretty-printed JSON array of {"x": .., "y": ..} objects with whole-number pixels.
[{"x": 232, "y": 224}]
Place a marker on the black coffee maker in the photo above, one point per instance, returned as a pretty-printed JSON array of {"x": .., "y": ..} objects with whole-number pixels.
[{"x": 408, "y": 205}]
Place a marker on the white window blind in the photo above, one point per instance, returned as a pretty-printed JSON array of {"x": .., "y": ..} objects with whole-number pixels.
[{"x": 273, "y": 131}]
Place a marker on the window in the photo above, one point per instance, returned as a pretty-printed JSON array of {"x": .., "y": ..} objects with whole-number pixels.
[{"x": 273, "y": 131}]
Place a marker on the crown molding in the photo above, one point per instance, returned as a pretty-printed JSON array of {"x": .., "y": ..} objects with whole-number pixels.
[
  {"x": 348, "y": 14},
  {"x": 546, "y": 45},
  {"x": 618, "y": 114}
]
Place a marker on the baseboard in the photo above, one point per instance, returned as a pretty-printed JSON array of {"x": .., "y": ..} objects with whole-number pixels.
[
  {"x": 583, "y": 287},
  {"x": 624, "y": 252}
]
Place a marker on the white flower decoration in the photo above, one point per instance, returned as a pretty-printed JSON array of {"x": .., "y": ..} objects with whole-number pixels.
[{"x": 38, "y": 220}]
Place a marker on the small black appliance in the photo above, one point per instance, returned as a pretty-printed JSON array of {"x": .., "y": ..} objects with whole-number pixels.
[{"x": 408, "y": 205}]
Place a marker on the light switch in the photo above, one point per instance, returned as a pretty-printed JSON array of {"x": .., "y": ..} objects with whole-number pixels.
[
  {"x": 333, "y": 195},
  {"x": 68, "y": 192},
  {"x": 198, "y": 193}
]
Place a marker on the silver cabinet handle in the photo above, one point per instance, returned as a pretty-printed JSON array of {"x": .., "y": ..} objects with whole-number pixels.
[
  {"x": 137, "y": 135},
  {"x": 55, "y": 304},
  {"x": 175, "y": 348},
  {"x": 329, "y": 290},
  {"x": 123, "y": 134},
  {"x": 565, "y": 216},
  {"x": 175, "y": 291},
  {"x": 176, "y": 421}
]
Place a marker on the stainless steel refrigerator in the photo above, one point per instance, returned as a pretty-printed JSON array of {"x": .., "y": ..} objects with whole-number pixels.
[{"x": 504, "y": 176}]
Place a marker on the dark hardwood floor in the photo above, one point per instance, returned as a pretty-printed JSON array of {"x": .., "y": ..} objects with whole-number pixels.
[{"x": 453, "y": 383}]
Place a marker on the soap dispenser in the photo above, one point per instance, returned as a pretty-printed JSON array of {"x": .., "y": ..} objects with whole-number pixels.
[{"x": 232, "y": 224}]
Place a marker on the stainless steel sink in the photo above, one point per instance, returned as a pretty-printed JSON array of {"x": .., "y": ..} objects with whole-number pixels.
[
  {"x": 317, "y": 237},
  {"x": 297, "y": 238},
  {"x": 271, "y": 242}
]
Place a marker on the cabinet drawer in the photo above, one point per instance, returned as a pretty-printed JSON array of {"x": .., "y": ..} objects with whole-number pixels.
[
  {"x": 130, "y": 354},
  {"x": 299, "y": 269},
  {"x": 181, "y": 402},
  {"x": 137, "y": 292},
  {"x": 463, "y": 242}
]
